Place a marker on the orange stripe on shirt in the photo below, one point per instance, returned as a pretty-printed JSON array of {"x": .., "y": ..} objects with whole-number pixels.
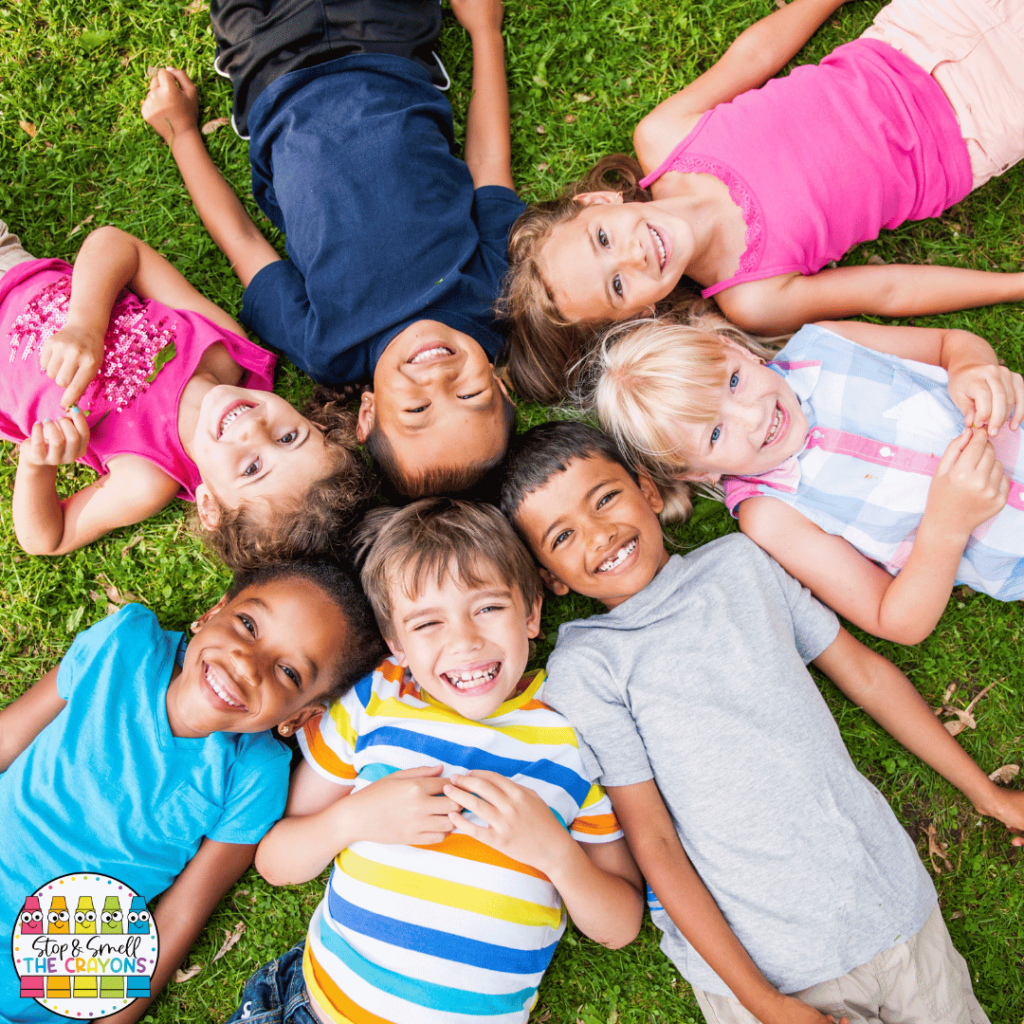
[
  {"x": 456, "y": 844},
  {"x": 334, "y": 1002},
  {"x": 322, "y": 753},
  {"x": 596, "y": 825}
]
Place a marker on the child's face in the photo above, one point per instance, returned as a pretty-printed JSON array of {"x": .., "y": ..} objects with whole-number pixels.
[
  {"x": 436, "y": 399},
  {"x": 258, "y": 660},
  {"x": 253, "y": 444},
  {"x": 615, "y": 260},
  {"x": 465, "y": 646},
  {"x": 758, "y": 426},
  {"x": 595, "y": 531}
]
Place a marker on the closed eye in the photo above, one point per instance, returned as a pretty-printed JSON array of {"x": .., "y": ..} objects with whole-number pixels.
[
  {"x": 424, "y": 625},
  {"x": 419, "y": 408},
  {"x": 473, "y": 395}
]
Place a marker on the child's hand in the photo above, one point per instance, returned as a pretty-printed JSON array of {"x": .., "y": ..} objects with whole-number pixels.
[
  {"x": 969, "y": 487},
  {"x": 171, "y": 106},
  {"x": 406, "y": 807},
  {"x": 1007, "y": 806},
  {"x": 71, "y": 358},
  {"x": 986, "y": 394},
  {"x": 794, "y": 1011},
  {"x": 477, "y": 15},
  {"x": 521, "y": 824},
  {"x": 57, "y": 442}
]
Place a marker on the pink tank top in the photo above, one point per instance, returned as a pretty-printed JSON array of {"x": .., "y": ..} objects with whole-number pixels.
[
  {"x": 150, "y": 354},
  {"x": 827, "y": 156}
]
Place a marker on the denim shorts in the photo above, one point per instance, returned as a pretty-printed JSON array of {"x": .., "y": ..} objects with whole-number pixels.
[{"x": 276, "y": 993}]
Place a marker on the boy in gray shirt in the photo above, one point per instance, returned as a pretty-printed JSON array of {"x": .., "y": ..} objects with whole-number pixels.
[{"x": 776, "y": 866}]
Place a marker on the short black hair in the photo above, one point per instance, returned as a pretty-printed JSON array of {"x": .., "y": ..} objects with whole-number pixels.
[
  {"x": 546, "y": 449},
  {"x": 476, "y": 482},
  {"x": 364, "y": 646}
]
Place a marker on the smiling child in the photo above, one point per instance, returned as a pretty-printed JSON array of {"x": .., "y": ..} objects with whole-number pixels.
[
  {"x": 148, "y": 759},
  {"x": 452, "y": 801}
]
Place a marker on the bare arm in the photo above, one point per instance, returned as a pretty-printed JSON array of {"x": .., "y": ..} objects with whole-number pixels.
[
  {"x": 664, "y": 863},
  {"x": 598, "y": 882},
  {"x": 171, "y": 108},
  {"x": 26, "y": 717},
  {"x": 322, "y": 818},
  {"x": 184, "y": 909},
  {"x": 488, "y": 135},
  {"x": 785, "y": 303},
  {"x": 968, "y": 488},
  {"x": 759, "y": 52},
  {"x": 888, "y": 696}
]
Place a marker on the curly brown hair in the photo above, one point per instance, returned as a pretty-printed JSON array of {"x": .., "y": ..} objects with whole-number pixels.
[
  {"x": 310, "y": 525},
  {"x": 543, "y": 345}
]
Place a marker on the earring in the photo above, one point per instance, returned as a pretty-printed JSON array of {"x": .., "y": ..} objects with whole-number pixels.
[
  {"x": 284, "y": 730},
  {"x": 194, "y": 626}
]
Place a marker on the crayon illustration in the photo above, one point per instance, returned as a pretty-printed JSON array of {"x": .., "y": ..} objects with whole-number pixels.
[
  {"x": 58, "y": 917},
  {"x": 31, "y": 917},
  {"x": 138, "y": 986},
  {"x": 32, "y": 987},
  {"x": 111, "y": 920},
  {"x": 85, "y": 917},
  {"x": 138, "y": 917}
]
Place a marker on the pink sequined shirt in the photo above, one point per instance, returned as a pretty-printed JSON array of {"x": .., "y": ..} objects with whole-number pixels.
[
  {"x": 827, "y": 156},
  {"x": 133, "y": 401}
]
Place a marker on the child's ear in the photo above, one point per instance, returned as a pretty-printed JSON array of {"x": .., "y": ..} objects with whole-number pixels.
[
  {"x": 711, "y": 479},
  {"x": 209, "y": 614},
  {"x": 649, "y": 489},
  {"x": 207, "y": 508},
  {"x": 596, "y": 198},
  {"x": 365, "y": 417},
  {"x": 552, "y": 582},
  {"x": 396, "y": 649},
  {"x": 501, "y": 385},
  {"x": 292, "y": 725},
  {"x": 533, "y": 619}
]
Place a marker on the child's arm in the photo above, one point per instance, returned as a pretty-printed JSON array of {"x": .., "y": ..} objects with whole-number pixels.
[
  {"x": 488, "y": 135},
  {"x": 785, "y": 303},
  {"x": 664, "y": 863},
  {"x": 134, "y": 488},
  {"x": 184, "y": 909},
  {"x": 26, "y": 717},
  {"x": 171, "y": 108},
  {"x": 600, "y": 887},
  {"x": 968, "y": 488},
  {"x": 888, "y": 696},
  {"x": 759, "y": 52},
  {"x": 322, "y": 818}
]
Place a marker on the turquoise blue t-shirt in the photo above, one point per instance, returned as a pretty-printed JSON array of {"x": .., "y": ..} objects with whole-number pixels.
[{"x": 106, "y": 787}]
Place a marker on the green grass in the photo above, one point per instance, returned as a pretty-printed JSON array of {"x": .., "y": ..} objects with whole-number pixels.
[{"x": 584, "y": 71}]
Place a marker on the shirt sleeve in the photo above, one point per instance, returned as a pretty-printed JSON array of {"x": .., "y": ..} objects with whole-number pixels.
[
  {"x": 581, "y": 689},
  {"x": 256, "y": 792},
  {"x": 96, "y": 643},
  {"x": 276, "y": 307},
  {"x": 815, "y": 627},
  {"x": 328, "y": 742},
  {"x": 596, "y": 822},
  {"x": 496, "y": 209}
]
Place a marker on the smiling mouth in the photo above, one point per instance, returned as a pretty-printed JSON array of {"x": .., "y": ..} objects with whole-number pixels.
[
  {"x": 472, "y": 679},
  {"x": 431, "y": 354},
  {"x": 660, "y": 246},
  {"x": 776, "y": 430},
  {"x": 614, "y": 561},
  {"x": 223, "y": 687},
  {"x": 239, "y": 409}
]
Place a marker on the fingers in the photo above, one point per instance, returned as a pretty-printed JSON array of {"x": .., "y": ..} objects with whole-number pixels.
[
  {"x": 184, "y": 82},
  {"x": 60, "y": 441},
  {"x": 417, "y": 773},
  {"x": 1017, "y": 387},
  {"x": 79, "y": 382},
  {"x": 953, "y": 450}
]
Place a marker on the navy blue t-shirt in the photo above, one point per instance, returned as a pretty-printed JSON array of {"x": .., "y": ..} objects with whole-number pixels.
[{"x": 353, "y": 161}]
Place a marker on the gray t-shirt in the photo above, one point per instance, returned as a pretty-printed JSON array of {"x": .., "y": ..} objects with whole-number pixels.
[{"x": 699, "y": 682}]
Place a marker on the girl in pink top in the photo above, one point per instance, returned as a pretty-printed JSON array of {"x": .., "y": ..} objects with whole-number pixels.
[
  {"x": 768, "y": 186},
  {"x": 175, "y": 401}
]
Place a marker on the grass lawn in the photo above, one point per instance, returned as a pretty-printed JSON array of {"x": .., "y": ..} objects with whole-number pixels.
[{"x": 75, "y": 154}]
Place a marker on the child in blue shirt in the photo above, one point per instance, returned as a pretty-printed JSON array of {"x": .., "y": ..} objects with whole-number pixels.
[
  {"x": 396, "y": 247},
  {"x": 150, "y": 761}
]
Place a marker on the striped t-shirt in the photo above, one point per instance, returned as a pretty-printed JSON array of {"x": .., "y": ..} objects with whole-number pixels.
[{"x": 455, "y": 933}]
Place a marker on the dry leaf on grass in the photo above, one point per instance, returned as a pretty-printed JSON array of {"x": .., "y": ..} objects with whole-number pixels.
[
  {"x": 965, "y": 716},
  {"x": 81, "y": 224},
  {"x": 936, "y": 848},
  {"x": 151, "y": 71},
  {"x": 28, "y": 128},
  {"x": 1001, "y": 776},
  {"x": 230, "y": 940},
  {"x": 876, "y": 261},
  {"x": 180, "y": 975},
  {"x": 211, "y": 126},
  {"x": 195, "y": 7}
]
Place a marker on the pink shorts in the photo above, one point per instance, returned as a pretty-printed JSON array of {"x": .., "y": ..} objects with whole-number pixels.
[{"x": 974, "y": 49}]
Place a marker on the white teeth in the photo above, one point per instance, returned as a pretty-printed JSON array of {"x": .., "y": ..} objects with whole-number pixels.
[
  {"x": 431, "y": 353},
  {"x": 232, "y": 416},
  {"x": 618, "y": 558},
  {"x": 776, "y": 423},
  {"x": 219, "y": 690},
  {"x": 468, "y": 680},
  {"x": 661, "y": 249}
]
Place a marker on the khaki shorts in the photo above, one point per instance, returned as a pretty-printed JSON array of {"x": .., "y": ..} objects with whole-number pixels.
[
  {"x": 11, "y": 252},
  {"x": 974, "y": 49},
  {"x": 921, "y": 981}
]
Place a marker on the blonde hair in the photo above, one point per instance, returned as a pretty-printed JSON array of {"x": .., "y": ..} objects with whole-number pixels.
[{"x": 648, "y": 375}]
